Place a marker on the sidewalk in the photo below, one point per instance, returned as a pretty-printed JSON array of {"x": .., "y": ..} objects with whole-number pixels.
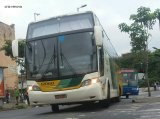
[
  {"x": 144, "y": 98},
  {"x": 12, "y": 105}
]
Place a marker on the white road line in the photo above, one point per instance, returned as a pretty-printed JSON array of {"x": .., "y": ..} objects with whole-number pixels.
[
  {"x": 82, "y": 115},
  {"x": 149, "y": 110}
]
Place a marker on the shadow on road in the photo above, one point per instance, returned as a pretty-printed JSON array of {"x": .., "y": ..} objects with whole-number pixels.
[{"x": 81, "y": 108}]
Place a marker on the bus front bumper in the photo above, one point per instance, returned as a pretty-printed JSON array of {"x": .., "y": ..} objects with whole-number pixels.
[{"x": 83, "y": 94}]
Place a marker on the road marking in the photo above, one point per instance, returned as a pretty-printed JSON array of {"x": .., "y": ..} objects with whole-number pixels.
[
  {"x": 124, "y": 110},
  {"x": 150, "y": 110},
  {"x": 71, "y": 118},
  {"x": 82, "y": 115},
  {"x": 93, "y": 112}
]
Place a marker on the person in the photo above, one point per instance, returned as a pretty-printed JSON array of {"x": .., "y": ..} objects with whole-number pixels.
[
  {"x": 16, "y": 94},
  {"x": 27, "y": 97},
  {"x": 7, "y": 96},
  {"x": 155, "y": 86}
]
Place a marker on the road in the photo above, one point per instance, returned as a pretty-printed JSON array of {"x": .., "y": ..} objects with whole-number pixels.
[{"x": 122, "y": 110}]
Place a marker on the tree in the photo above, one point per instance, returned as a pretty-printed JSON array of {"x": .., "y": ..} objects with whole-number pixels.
[
  {"x": 145, "y": 17},
  {"x": 143, "y": 21},
  {"x": 138, "y": 30},
  {"x": 131, "y": 60},
  {"x": 157, "y": 15},
  {"x": 7, "y": 47},
  {"x": 147, "y": 20},
  {"x": 137, "y": 34}
]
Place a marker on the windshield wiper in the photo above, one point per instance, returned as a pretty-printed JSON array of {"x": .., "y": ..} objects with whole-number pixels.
[
  {"x": 40, "y": 66},
  {"x": 63, "y": 58},
  {"x": 35, "y": 70},
  {"x": 52, "y": 60}
]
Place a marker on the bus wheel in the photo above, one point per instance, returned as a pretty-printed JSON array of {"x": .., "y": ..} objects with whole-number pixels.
[
  {"x": 55, "y": 108},
  {"x": 127, "y": 96}
]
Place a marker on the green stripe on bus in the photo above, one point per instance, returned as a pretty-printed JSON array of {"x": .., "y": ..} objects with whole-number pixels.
[{"x": 66, "y": 83}]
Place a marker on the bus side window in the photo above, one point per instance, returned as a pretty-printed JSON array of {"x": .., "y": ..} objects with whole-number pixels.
[{"x": 101, "y": 61}]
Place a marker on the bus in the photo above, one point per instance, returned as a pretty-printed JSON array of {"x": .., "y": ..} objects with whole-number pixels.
[
  {"x": 130, "y": 82},
  {"x": 70, "y": 60}
]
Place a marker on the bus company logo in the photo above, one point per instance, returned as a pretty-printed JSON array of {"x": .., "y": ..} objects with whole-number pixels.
[{"x": 47, "y": 84}]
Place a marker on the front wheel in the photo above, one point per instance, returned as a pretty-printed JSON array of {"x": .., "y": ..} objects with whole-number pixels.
[{"x": 55, "y": 108}]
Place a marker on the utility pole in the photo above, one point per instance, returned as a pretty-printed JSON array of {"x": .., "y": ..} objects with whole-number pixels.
[{"x": 146, "y": 69}]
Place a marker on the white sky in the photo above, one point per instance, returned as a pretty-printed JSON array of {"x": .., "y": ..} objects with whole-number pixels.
[{"x": 110, "y": 13}]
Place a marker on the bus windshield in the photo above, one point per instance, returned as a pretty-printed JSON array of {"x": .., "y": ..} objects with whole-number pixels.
[
  {"x": 61, "y": 56},
  {"x": 129, "y": 78}
]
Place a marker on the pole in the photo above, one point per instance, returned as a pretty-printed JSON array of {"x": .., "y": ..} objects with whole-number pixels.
[
  {"x": 21, "y": 86},
  {"x": 146, "y": 71},
  {"x": 81, "y": 7},
  {"x": 22, "y": 95},
  {"x": 35, "y": 14},
  {"x": 77, "y": 9}
]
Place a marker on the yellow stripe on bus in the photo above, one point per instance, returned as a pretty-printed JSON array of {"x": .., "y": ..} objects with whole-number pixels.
[{"x": 48, "y": 86}]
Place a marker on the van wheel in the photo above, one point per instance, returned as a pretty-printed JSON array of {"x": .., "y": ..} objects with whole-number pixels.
[{"x": 55, "y": 108}]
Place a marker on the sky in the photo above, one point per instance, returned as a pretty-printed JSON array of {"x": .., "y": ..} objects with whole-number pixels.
[{"x": 110, "y": 13}]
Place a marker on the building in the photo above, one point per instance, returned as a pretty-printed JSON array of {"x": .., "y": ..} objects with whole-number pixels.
[{"x": 7, "y": 32}]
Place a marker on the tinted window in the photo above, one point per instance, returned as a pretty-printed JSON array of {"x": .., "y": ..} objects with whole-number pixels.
[
  {"x": 62, "y": 55},
  {"x": 60, "y": 24}
]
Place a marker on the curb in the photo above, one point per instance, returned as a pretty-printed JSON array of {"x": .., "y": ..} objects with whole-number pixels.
[
  {"x": 6, "y": 107},
  {"x": 145, "y": 99}
]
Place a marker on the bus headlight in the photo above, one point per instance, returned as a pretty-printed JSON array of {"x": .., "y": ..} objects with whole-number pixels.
[
  {"x": 89, "y": 82},
  {"x": 34, "y": 88}
]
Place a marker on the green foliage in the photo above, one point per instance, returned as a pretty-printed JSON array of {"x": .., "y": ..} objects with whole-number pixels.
[
  {"x": 144, "y": 17},
  {"x": 7, "y": 47},
  {"x": 124, "y": 27},
  {"x": 157, "y": 15},
  {"x": 132, "y": 60},
  {"x": 154, "y": 65},
  {"x": 138, "y": 30},
  {"x": 137, "y": 34},
  {"x": 136, "y": 61}
]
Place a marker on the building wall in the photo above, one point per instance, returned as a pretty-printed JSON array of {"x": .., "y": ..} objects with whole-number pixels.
[{"x": 7, "y": 32}]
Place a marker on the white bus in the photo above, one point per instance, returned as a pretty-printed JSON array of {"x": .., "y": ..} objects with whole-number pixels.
[{"x": 70, "y": 60}]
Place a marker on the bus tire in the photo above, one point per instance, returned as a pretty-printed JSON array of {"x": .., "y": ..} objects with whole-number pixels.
[
  {"x": 127, "y": 96},
  {"x": 55, "y": 108}
]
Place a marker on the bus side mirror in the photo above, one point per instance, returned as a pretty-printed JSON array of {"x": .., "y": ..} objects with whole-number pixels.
[
  {"x": 15, "y": 48},
  {"x": 98, "y": 35}
]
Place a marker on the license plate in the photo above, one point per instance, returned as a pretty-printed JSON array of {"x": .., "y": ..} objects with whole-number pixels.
[{"x": 60, "y": 96}]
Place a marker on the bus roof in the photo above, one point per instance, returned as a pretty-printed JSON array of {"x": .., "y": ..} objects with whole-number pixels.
[
  {"x": 65, "y": 15},
  {"x": 128, "y": 70}
]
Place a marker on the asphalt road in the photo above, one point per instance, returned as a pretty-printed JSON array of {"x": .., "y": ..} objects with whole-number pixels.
[{"x": 122, "y": 110}]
